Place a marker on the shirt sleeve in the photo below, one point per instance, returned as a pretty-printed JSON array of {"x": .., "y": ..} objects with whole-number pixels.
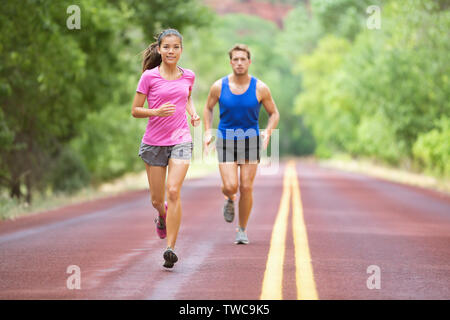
[
  {"x": 192, "y": 80},
  {"x": 144, "y": 83}
]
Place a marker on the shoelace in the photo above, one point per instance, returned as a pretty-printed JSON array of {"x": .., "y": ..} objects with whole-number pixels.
[{"x": 229, "y": 206}]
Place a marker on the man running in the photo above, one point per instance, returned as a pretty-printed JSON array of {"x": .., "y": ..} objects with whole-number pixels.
[{"x": 238, "y": 138}]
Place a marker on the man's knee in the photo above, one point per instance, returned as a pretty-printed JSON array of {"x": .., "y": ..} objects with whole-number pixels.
[
  {"x": 245, "y": 188},
  {"x": 230, "y": 188}
]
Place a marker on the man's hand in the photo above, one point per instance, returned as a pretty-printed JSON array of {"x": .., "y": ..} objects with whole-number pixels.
[
  {"x": 266, "y": 138},
  {"x": 207, "y": 141}
]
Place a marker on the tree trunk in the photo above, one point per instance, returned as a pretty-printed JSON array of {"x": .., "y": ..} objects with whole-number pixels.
[
  {"x": 15, "y": 189},
  {"x": 28, "y": 185}
]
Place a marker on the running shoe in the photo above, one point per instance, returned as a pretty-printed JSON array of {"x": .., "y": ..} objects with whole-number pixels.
[
  {"x": 228, "y": 210},
  {"x": 169, "y": 258},
  {"x": 241, "y": 237},
  {"x": 161, "y": 224}
]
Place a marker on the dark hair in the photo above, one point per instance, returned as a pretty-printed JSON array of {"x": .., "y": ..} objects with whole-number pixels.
[
  {"x": 239, "y": 47},
  {"x": 150, "y": 56}
]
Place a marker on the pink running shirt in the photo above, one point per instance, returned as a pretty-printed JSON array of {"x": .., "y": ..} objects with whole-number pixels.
[{"x": 172, "y": 130}]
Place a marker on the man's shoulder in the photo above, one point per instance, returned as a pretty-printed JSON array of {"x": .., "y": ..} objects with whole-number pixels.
[
  {"x": 261, "y": 84},
  {"x": 262, "y": 89},
  {"x": 219, "y": 81},
  {"x": 217, "y": 84}
]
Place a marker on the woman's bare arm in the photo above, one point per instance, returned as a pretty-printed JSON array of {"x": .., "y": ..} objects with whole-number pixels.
[{"x": 138, "y": 110}]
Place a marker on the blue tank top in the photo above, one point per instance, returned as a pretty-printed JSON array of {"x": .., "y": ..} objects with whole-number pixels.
[{"x": 238, "y": 111}]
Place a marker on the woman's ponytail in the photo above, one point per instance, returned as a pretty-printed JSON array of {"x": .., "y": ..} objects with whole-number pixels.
[{"x": 150, "y": 57}]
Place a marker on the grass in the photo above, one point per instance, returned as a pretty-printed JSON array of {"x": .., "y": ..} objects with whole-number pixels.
[
  {"x": 11, "y": 209},
  {"x": 400, "y": 175}
]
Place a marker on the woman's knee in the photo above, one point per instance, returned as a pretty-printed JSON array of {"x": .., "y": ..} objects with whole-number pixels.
[
  {"x": 173, "y": 193},
  {"x": 157, "y": 203}
]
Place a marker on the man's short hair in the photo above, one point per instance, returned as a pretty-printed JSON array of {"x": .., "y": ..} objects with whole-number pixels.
[{"x": 239, "y": 47}]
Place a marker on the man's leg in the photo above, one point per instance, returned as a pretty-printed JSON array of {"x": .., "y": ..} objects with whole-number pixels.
[
  {"x": 229, "y": 173},
  {"x": 248, "y": 173}
]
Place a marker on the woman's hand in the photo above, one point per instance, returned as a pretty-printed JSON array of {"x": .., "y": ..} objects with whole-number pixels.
[
  {"x": 165, "y": 110},
  {"x": 195, "y": 120}
]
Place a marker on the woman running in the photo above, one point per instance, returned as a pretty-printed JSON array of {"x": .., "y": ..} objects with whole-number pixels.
[{"x": 167, "y": 141}]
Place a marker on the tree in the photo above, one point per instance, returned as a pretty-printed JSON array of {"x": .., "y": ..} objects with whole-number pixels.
[
  {"x": 51, "y": 77},
  {"x": 383, "y": 94}
]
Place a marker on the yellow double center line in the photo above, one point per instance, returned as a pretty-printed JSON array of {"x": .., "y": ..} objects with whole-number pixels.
[{"x": 272, "y": 288}]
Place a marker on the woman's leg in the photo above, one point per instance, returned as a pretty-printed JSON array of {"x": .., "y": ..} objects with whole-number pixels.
[
  {"x": 176, "y": 174},
  {"x": 156, "y": 181}
]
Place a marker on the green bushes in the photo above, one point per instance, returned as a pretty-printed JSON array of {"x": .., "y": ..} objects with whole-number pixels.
[
  {"x": 108, "y": 143},
  {"x": 383, "y": 93},
  {"x": 55, "y": 81},
  {"x": 432, "y": 149},
  {"x": 68, "y": 173}
]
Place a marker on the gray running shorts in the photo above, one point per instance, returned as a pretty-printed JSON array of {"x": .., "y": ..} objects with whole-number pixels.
[
  {"x": 240, "y": 151},
  {"x": 160, "y": 155}
]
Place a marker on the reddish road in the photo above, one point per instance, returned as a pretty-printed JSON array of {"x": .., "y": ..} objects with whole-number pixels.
[{"x": 352, "y": 222}]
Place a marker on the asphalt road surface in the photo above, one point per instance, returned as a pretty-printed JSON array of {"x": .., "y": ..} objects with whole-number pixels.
[{"x": 315, "y": 233}]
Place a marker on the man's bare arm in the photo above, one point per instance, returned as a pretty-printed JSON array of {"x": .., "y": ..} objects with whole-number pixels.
[
  {"x": 271, "y": 109},
  {"x": 213, "y": 98}
]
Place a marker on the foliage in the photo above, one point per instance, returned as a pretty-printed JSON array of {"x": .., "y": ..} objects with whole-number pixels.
[
  {"x": 65, "y": 95},
  {"x": 432, "y": 148},
  {"x": 207, "y": 53},
  {"x": 68, "y": 172},
  {"x": 108, "y": 142},
  {"x": 53, "y": 78},
  {"x": 343, "y": 18},
  {"x": 382, "y": 92}
]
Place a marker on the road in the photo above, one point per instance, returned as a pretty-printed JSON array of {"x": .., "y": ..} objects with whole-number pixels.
[{"x": 315, "y": 233}]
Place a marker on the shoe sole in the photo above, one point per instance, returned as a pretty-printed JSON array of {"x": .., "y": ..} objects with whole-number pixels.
[
  {"x": 170, "y": 259},
  {"x": 228, "y": 218}
]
